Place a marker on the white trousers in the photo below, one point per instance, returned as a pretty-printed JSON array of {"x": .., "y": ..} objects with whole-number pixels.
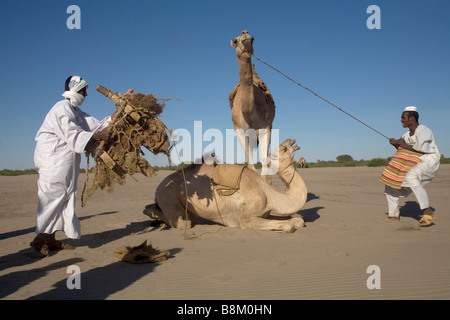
[{"x": 393, "y": 196}]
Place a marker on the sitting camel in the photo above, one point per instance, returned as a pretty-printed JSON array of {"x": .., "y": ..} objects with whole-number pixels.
[{"x": 246, "y": 205}]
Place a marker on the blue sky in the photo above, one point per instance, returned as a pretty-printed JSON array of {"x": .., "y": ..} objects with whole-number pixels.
[{"x": 181, "y": 50}]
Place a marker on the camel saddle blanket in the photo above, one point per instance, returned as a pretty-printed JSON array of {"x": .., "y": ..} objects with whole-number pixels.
[
  {"x": 396, "y": 170},
  {"x": 227, "y": 178}
]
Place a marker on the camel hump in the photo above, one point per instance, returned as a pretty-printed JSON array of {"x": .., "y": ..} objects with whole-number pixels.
[
  {"x": 257, "y": 81},
  {"x": 260, "y": 84}
]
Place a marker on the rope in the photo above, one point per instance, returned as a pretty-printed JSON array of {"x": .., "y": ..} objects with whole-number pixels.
[
  {"x": 332, "y": 104},
  {"x": 174, "y": 138},
  {"x": 86, "y": 182}
]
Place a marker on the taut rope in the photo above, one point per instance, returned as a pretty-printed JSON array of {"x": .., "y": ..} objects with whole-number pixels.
[
  {"x": 332, "y": 104},
  {"x": 174, "y": 138}
]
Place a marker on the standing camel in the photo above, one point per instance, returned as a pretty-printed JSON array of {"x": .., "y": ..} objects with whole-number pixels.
[
  {"x": 302, "y": 163},
  {"x": 252, "y": 106}
]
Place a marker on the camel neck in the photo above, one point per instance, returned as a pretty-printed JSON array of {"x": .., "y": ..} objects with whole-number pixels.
[
  {"x": 294, "y": 198},
  {"x": 245, "y": 70}
]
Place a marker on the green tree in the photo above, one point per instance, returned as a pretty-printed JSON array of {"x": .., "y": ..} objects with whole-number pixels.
[
  {"x": 378, "y": 162},
  {"x": 344, "y": 158}
]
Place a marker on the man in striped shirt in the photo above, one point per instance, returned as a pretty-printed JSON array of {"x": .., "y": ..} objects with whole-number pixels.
[{"x": 419, "y": 139}]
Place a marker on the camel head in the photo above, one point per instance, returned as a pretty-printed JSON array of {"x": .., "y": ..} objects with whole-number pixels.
[
  {"x": 283, "y": 156},
  {"x": 243, "y": 44}
]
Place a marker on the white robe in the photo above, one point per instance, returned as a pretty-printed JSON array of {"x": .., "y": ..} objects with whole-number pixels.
[
  {"x": 426, "y": 169},
  {"x": 60, "y": 142}
]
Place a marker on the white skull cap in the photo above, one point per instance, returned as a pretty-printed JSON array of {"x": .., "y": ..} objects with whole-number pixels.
[{"x": 410, "y": 108}]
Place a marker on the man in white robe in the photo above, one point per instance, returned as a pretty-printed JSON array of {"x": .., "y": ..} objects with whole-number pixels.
[
  {"x": 419, "y": 138},
  {"x": 60, "y": 141}
]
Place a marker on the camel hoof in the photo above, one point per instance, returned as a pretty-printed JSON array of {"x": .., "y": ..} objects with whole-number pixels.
[
  {"x": 288, "y": 228},
  {"x": 297, "y": 222}
]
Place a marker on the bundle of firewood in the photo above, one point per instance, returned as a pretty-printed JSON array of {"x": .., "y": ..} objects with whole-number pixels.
[{"x": 134, "y": 125}]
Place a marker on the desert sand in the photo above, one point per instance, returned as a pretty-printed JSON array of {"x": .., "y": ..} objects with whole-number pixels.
[{"x": 345, "y": 234}]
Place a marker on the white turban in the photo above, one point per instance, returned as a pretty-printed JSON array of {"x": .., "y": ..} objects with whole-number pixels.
[
  {"x": 410, "y": 108},
  {"x": 75, "y": 85}
]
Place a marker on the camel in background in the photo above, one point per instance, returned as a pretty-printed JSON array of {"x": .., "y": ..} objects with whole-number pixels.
[
  {"x": 302, "y": 163},
  {"x": 252, "y": 106}
]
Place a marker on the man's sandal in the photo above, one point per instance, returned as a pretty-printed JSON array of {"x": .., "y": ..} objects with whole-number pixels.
[
  {"x": 426, "y": 220},
  {"x": 40, "y": 247}
]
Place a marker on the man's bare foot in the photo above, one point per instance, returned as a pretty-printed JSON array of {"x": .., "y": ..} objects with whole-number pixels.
[{"x": 392, "y": 219}]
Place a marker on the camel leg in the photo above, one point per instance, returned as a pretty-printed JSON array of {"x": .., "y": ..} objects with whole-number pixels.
[
  {"x": 245, "y": 144},
  {"x": 268, "y": 225},
  {"x": 176, "y": 214},
  {"x": 173, "y": 214},
  {"x": 297, "y": 222},
  {"x": 153, "y": 211},
  {"x": 249, "y": 152},
  {"x": 264, "y": 142}
]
